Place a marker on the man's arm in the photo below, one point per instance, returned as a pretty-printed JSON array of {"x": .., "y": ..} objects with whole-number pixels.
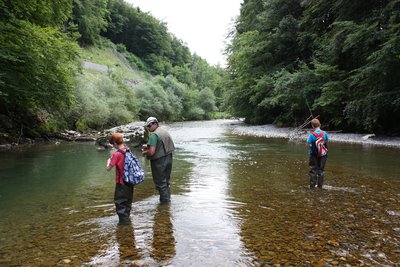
[{"x": 149, "y": 151}]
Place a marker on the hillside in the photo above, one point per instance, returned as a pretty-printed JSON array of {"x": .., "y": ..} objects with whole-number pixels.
[
  {"x": 92, "y": 65},
  {"x": 112, "y": 61}
]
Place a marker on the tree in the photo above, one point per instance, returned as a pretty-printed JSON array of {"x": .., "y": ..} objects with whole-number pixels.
[
  {"x": 90, "y": 17},
  {"x": 37, "y": 61},
  {"x": 207, "y": 101},
  {"x": 141, "y": 33},
  {"x": 335, "y": 58}
]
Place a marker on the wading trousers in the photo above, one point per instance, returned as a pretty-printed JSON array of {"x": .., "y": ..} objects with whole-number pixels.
[
  {"x": 123, "y": 201},
  {"x": 161, "y": 171},
  {"x": 316, "y": 174}
]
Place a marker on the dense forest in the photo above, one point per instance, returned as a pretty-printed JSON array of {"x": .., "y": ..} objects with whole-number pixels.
[
  {"x": 287, "y": 60},
  {"x": 338, "y": 59},
  {"x": 44, "y": 88}
]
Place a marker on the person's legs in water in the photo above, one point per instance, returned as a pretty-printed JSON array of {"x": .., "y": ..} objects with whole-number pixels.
[
  {"x": 161, "y": 171},
  {"x": 320, "y": 175},
  {"x": 123, "y": 196},
  {"x": 313, "y": 164}
]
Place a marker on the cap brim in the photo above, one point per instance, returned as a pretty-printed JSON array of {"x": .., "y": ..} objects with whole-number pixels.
[{"x": 148, "y": 123}]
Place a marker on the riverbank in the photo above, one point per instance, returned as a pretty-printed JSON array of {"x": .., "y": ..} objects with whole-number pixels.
[
  {"x": 133, "y": 132},
  {"x": 270, "y": 131}
]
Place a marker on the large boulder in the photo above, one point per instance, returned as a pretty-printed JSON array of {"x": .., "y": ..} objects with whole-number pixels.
[{"x": 134, "y": 135}]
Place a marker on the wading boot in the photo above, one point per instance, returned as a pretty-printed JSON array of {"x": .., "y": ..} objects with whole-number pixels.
[
  {"x": 165, "y": 195},
  {"x": 320, "y": 180},
  {"x": 124, "y": 219},
  {"x": 313, "y": 181}
]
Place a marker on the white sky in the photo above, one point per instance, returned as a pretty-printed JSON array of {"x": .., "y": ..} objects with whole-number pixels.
[{"x": 201, "y": 24}]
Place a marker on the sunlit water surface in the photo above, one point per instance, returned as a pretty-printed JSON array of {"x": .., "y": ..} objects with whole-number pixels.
[{"x": 237, "y": 201}]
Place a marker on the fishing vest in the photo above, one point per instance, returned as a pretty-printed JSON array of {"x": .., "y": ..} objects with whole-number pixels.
[{"x": 165, "y": 145}]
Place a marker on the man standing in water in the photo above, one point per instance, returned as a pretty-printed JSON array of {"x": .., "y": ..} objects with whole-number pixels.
[
  {"x": 317, "y": 155},
  {"x": 159, "y": 150}
]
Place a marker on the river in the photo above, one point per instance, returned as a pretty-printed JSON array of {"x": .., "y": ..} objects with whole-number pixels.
[{"x": 236, "y": 201}]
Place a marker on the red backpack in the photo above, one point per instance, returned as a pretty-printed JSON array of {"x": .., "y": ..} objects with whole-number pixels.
[{"x": 320, "y": 148}]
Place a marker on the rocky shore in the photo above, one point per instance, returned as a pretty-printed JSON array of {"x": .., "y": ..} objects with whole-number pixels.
[
  {"x": 134, "y": 135},
  {"x": 271, "y": 131}
]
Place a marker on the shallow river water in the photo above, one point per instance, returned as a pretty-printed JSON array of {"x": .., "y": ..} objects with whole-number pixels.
[{"x": 236, "y": 201}]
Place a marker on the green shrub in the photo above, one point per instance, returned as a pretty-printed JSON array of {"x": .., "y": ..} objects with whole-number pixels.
[
  {"x": 121, "y": 48},
  {"x": 102, "y": 102},
  {"x": 195, "y": 113},
  {"x": 220, "y": 115}
]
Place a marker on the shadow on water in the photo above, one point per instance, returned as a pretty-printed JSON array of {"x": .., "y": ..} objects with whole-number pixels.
[{"x": 237, "y": 201}]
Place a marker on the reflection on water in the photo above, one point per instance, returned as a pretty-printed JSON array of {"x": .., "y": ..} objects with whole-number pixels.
[
  {"x": 207, "y": 229},
  {"x": 147, "y": 241},
  {"x": 236, "y": 201},
  {"x": 163, "y": 247}
]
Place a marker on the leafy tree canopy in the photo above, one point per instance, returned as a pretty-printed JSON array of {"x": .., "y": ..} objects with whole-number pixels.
[{"x": 338, "y": 59}]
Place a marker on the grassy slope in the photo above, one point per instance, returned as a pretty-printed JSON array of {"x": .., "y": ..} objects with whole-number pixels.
[{"x": 115, "y": 61}]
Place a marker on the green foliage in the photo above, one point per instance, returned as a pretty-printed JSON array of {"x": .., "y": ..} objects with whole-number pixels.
[
  {"x": 158, "y": 65},
  {"x": 53, "y": 123},
  {"x": 192, "y": 110},
  {"x": 195, "y": 113},
  {"x": 134, "y": 61},
  {"x": 141, "y": 33},
  {"x": 161, "y": 97},
  {"x": 44, "y": 13},
  {"x": 37, "y": 66},
  {"x": 102, "y": 102},
  {"x": 154, "y": 101},
  {"x": 180, "y": 54},
  {"x": 90, "y": 17},
  {"x": 121, "y": 48},
  {"x": 183, "y": 74},
  {"x": 43, "y": 89},
  {"x": 162, "y": 54},
  {"x": 168, "y": 99},
  {"x": 333, "y": 58},
  {"x": 207, "y": 100},
  {"x": 203, "y": 75},
  {"x": 221, "y": 115}
]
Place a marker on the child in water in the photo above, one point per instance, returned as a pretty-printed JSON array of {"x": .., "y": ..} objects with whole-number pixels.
[
  {"x": 316, "y": 161},
  {"x": 123, "y": 194}
]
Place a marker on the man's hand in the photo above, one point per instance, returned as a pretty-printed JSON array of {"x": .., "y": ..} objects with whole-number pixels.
[
  {"x": 148, "y": 150},
  {"x": 144, "y": 150}
]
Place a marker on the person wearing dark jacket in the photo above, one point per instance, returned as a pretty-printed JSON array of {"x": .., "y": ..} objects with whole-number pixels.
[{"x": 158, "y": 150}]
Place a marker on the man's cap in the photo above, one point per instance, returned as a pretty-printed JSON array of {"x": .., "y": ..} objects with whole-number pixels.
[{"x": 150, "y": 120}]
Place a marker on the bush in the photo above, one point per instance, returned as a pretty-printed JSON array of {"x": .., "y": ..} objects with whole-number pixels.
[
  {"x": 195, "y": 113},
  {"x": 154, "y": 101},
  {"x": 121, "y": 48},
  {"x": 102, "y": 102}
]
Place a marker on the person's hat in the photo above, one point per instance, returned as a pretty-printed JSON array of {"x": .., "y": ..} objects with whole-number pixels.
[{"x": 151, "y": 120}]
